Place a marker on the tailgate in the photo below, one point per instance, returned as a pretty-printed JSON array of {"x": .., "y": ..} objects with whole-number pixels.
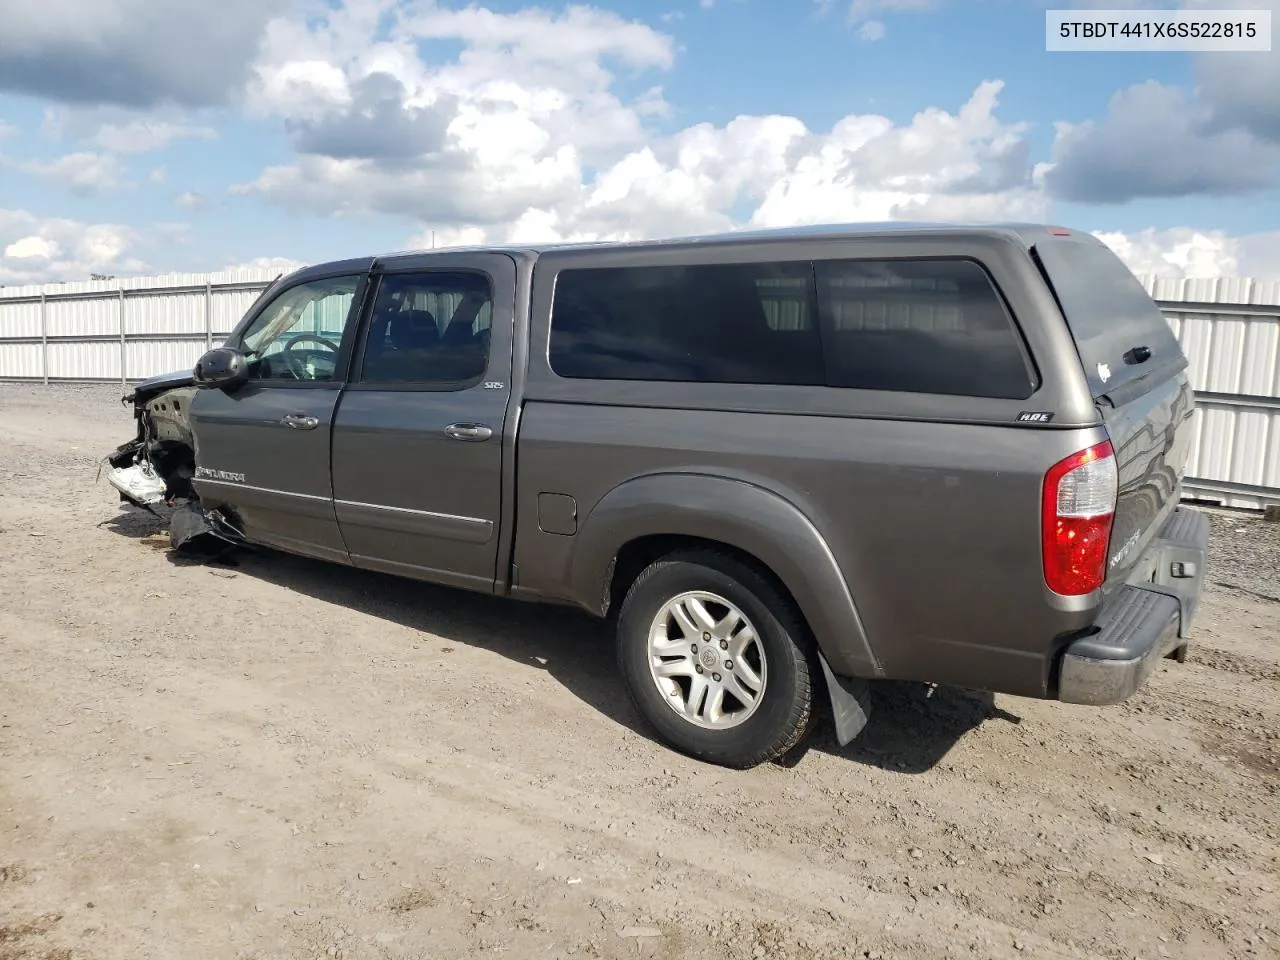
[
  {"x": 1137, "y": 373},
  {"x": 1151, "y": 434}
]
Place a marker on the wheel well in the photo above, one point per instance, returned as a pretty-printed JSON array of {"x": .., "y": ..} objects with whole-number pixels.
[
  {"x": 176, "y": 463},
  {"x": 637, "y": 554}
]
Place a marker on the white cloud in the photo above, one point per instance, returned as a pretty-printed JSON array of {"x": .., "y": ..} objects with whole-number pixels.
[
  {"x": 527, "y": 134},
  {"x": 300, "y": 89},
  {"x": 1158, "y": 141},
  {"x": 139, "y": 136},
  {"x": 52, "y": 123},
  {"x": 1240, "y": 88},
  {"x": 39, "y": 250},
  {"x": 1220, "y": 137},
  {"x": 871, "y": 31},
  {"x": 862, "y": 11},
  {"x": 868, "y": 15},
  {"x": 528, "y": 79},
  {"x": 278, "y": 264},
  {"x": 1192, "y": 253},
  {"x": 1176, "y": 252},
  {"x": 963, "y": 166},
  {"x": 511, "y": 124},
  {"x": 1259, "y": 255},
  {"x": 449, "y": 237},
  {"x": 524, "y": 135},
  {"x": 7, "y": 130},
  {"x": 32, "y": 248},
  {"x": 84, "y": 173},
  {"x": 966, "y": 166}
]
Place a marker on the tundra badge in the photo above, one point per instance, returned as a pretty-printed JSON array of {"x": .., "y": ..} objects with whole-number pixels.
[{"x": 206, "y": 473}]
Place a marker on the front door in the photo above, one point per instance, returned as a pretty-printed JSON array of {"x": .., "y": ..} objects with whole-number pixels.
[
  {"x": 262, "y": 451},
  {"x": 418, "y": 438}
]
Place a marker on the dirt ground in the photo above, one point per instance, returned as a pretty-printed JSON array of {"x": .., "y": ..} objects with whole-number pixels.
[{"x": 283, "y": 759}]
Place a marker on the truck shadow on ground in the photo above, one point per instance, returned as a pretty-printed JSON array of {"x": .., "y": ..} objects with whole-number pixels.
[{"x": 912, "y": 726}]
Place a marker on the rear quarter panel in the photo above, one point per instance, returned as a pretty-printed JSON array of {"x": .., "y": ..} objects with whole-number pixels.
[{"x": 935, "y": 526}]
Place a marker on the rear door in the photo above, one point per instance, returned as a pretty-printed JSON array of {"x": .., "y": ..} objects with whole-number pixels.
[
  {"x": 262, "y": 451},
  {"x": 418, "y": 438},
  {"x": 1137, "y": 372}
]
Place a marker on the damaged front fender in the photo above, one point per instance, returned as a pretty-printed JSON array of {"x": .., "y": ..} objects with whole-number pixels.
[{"x": 156, "y": 467}]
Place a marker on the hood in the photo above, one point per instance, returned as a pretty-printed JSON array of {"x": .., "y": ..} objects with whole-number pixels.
[{"x": 159, "y": 384}]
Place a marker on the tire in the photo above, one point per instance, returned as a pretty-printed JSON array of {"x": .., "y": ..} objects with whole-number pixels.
[{"x": 658, "y": 664}]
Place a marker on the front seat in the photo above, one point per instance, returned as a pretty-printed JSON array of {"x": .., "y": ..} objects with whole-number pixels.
[{"x": 414, "y": 336}]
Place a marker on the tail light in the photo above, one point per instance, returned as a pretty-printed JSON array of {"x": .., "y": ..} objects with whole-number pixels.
[{"x": 1079, "y": 505}]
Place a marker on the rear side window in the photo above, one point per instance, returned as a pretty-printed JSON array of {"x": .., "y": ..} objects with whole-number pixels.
[
  {"x": 925, "y": 326},
  {"x": 732, "y": 323},
  {"x": 1108, "y": 311}
]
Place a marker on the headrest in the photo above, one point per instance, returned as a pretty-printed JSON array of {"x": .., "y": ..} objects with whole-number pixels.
[{"x": 414, "y": 330}]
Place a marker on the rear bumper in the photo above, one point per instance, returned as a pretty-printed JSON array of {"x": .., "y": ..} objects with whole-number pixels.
[{"x": 1142, "y": 623}]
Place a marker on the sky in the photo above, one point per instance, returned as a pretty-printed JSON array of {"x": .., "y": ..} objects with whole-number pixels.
[{"x": 156, "y": 136}]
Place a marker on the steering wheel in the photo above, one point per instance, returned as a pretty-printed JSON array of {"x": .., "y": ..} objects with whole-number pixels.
[{"x": 295, "y": 365}]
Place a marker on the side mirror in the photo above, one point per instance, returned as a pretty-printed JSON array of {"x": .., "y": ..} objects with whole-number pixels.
[{"x": 221, "y": 368}]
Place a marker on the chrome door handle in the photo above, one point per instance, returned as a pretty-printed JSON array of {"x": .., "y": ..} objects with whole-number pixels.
[
  {"x": 468, "y": 431},
  {"x": 299, "y": 422}
]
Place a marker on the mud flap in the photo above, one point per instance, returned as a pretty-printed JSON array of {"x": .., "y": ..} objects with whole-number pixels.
[
  {"x": 850, "y": 703},
  {"x": 190, "y": 531}
]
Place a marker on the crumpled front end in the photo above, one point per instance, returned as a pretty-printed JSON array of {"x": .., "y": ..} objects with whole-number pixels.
[{"x": 156, "y": 467}]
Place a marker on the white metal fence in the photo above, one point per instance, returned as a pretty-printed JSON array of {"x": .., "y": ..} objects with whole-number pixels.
[
  {"x": 127, "y": 330},
  {"x": 1230, "y": 330},
  {"x": 123, "y": 330}
]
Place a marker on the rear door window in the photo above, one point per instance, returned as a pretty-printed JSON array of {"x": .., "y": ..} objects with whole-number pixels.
[
  {"x": 1109, "y": 313},
  {"x": 709, "y": 323},
  {"x": 924, "y": 326},
  {"x": 429, "y": 328}
]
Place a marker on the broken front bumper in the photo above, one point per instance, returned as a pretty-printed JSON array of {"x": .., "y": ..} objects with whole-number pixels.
[{"x": 1144, "y": 622}]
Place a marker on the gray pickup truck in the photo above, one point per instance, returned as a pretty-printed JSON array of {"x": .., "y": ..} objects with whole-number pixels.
[{"x": 784, "y": 463}]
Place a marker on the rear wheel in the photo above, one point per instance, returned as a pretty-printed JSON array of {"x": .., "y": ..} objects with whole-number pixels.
[{"x": 714, "y": 658}]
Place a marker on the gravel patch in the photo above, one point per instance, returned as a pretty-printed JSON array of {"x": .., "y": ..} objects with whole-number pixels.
[
  {"x": 1244, "y": 553},
  {"x": 96, "y": 402}
]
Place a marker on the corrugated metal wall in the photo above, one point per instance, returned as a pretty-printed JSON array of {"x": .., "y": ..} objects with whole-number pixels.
[
  {"x": 1230, "y": 331},
  {"x": 123, "y": 330},
  {"x": 130, "y": 329}
]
